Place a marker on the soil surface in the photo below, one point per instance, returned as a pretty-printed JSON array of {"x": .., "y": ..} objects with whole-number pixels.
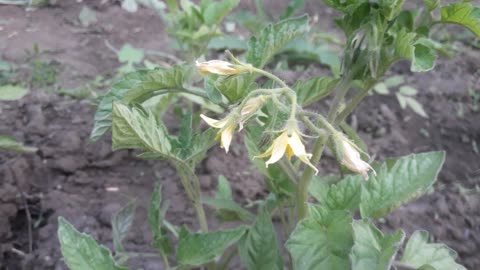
[{"x": 86, "y": 182}]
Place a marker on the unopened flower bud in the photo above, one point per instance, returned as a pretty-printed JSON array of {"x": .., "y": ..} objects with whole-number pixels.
[
  {"x": 250, "y": 108},
  {"x": 217, "y": 67},
  {"x": 351, "y": 156}
]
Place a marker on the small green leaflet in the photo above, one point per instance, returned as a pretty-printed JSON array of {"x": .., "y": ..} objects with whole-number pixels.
[
  {"x": 137, "y": 87},
  {"x": 121, "y": 223},
  {"x": 408, "y": 101},
  {"x": 196, "y": 249},
  {"x": 463, "y": 14},
  {"x": 81, "y": 251},
  {"x": 372, "y": 250},
  {"x": 421, "y": 254},
  {"x": 344, "y": 195},
  {"x": 272, "y": 38},
  {"x": 87, "y": 16},
  {"x": 129, "y": 54},
  {"x": 313, "y": 90},
  {"x": 214, "y": 13},
  {"x": 423, "y": 58},
  {"x": 12, "y": 92},
  {"x": 224, "y": 190},
  {"x": 227, "y": 208},
  {"x": 103, "y": 115},
  {"x": 258, "y": 249},
  {"x": 398, "y": 182},
  {"x": 133, "y": 128},
  {"x": 233, "y": 87},
  {"x": 11, "y": 144},
  {"x": 156, "y": 216},
  {"x": 322, "y": 241}
]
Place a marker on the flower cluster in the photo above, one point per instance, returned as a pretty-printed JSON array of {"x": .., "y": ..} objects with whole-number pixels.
[{"x": 289, "y": 143}]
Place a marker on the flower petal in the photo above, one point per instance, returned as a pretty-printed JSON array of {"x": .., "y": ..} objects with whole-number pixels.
[
  {"x": 227, "y": 135},
  {"x": 279, "y": 147},
  {"x": 213, "y": 122},
  {"x": 297, "y": 145},
  {"x": 306, "y": 160},
  {"x": 266, "y": 153}
]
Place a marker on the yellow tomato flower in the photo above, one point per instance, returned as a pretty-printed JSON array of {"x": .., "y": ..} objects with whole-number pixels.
[
  {"x": 217, "y": 67},
  {"x": 351, "y": 158},
  {"x": 288, "y": 142},
  {"x": 227, "y": 127}
]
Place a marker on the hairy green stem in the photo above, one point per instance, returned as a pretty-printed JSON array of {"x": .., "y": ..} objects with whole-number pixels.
[
  {"x": 270, "y": 76},
  {"x": 319, "y": 146},
  {"x": 354, "y": 102},
  {"x": 192, "y": 188},
  {"x": 288, "y": 168},
  {"x": 165, "y": 261}
]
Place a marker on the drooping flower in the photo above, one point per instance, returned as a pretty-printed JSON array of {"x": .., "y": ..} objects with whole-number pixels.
[
  {"x": 217, "y": 67},
  {"x": 227, "y": 127},
  {"x": 290, "y": 143},
  {"x": 250, "y": 108},
  {"x": 351, "y": 157}
]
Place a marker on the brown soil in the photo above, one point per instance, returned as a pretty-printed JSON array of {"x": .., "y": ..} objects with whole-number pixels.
[{"x": 71, "y": 176}]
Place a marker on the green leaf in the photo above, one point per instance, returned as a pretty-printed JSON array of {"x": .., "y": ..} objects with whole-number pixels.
[
  {"x": 381, "y": 88},
  {"x": 81, "y": 251},
  {"x": 408, "y": 90},
  {"x": 391, "y": 8},
  {"x": 273, "y": 38},
  {"x": 185, "y": 136},
  {"x": 463, "y": 14},
  {"x": 131, "y": 82},
  {"x": 344, "y": 5},
  {"x": 214, "y": 13},
  {"x": 228, "y": 210},
  {"x": 431, "y": 4},
  {"x": 322, "y": 241},
  {"x": 416, "y": 106},
  {"x": 401, "y": 100},
  {"x": 158, "y": 79},
  {"x": 423, "y": 58},
  {"x": 292, "y": 7},
  {"x": 394, "y": 81},
  {"x": 87, "y": 16},
  {"x": 372, "y": 250},
  {"x": 224, "y": 190},
  {"x": 421, "y": 254},
  {"x": 12, "y": 92},
  {"x": 156, "y": 216},
  {"x": 129, "y": 54},
  {"x": 213, "y": 93},
  {"x": 344, "y": 195},
  {"x": 196, "y": 249},
  {"x": 398, "y": 182},
  {"x": 133, "y": 128},
  {"x": 234, "y": 88},
  {"x": 319, "y": 186},
  {"x": 121, "y": 223},
  {"x": 259, "y": 249},
  {"x": 315, "y": 89},
  {"x": 404, "y": 44},
  {"x": 10, "y": 144}
]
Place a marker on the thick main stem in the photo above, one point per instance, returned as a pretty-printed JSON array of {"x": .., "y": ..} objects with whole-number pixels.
[{"x": 319, "y": 146}]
